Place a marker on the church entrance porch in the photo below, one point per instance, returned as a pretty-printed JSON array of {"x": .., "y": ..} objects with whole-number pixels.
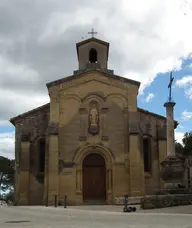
[{"x": 94, "y": 178}]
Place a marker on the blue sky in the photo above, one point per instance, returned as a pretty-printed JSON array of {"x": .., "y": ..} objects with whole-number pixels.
[{"x": 183, "y": 107}]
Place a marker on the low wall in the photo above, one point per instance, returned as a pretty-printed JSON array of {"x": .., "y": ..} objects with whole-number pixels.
[
  {"x": 131, "y": 200},
  {"x": 160, "y": 201}
]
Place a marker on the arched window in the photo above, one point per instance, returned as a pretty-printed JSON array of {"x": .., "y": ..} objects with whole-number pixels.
[
  {"x": 41, "y": 155},
  {"x": 92, "y": 56},
  {"x": 147, "y": 154}
]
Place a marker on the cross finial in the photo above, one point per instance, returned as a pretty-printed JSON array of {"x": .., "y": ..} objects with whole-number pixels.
[
  {"x": 92, "y": 32},
  {"x": 170, "y": 86}
]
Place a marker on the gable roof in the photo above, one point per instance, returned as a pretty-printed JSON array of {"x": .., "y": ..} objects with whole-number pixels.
[
  {"x": 71, "y": 77},
  {"x": 30, "y": 112}
]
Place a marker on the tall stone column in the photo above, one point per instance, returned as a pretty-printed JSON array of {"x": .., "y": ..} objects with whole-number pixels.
[
  {"x": 170, "y": 128},
  {"x": 172, "y": 167}
]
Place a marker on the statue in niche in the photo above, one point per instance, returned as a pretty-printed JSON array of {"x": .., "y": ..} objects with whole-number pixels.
[{"x": 93, "y": 120}]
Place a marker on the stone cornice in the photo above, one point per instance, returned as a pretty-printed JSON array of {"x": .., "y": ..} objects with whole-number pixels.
[{"x": 71, "y": 77}]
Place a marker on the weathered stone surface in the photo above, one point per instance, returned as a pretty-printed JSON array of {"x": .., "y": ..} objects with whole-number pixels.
[
  {"x": 161, "y": 201},
  {"x": 25, "y": 137},
  {"x": 172, "y": 169},
  {"x": 177, "y": 190},
  {"x": 53, "y": 129},
  {"x": 119, "y": 139},
  {"x": 131, "y": 200}
]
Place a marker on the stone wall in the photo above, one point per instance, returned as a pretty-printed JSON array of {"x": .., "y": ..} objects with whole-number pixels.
[
  {"x": 161, "y": 201},
  {"x": 154, "y": 127},
  {"x": 33, "y": 125},
  {"x": 116, "y": 139},
  {"x": 131, "y": 200}
]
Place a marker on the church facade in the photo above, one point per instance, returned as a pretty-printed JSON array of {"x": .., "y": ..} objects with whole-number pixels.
[{"x": 91, "y": 143}]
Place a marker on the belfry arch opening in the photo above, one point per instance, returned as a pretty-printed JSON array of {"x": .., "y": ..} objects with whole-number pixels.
[{"x": 93, "y": 55}]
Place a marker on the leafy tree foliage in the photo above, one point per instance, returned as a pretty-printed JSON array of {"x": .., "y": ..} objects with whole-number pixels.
[
  {"x": 186, "y": 148},
  {"x": 6, "y": 174},
  {"x": 9, "y": 196}
]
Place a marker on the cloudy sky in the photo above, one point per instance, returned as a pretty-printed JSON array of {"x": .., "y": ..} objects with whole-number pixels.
[{"x": 147, "y": 40}]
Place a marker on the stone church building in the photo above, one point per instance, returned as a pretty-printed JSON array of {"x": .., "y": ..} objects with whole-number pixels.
[{"x": 91, "y": 143}]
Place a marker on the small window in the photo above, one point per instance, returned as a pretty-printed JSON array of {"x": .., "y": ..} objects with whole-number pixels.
[
  {"x": 41, "y": 155},
  {"x": 92, "y": 56},
  {"x": 147, "y": 154}
]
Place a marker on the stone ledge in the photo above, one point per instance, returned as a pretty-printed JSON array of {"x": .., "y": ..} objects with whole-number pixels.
[
  {"x": 131, "y": 200},
  {"x": 162, "y": 201}
]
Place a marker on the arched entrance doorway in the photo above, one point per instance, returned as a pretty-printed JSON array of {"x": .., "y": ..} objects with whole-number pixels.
[{"x": 94, "y": 177}]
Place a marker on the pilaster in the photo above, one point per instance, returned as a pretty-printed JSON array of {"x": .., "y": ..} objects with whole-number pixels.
[
  {"x": 46, "y": 173},
  {"x": 137, "y": 178},
  {"x": 52, "y": 163},
  {"x": 24, "y": 174}
]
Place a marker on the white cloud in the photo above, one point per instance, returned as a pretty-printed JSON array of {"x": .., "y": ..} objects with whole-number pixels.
[
  {"x": 16, "y": 71},
  {"x": 179, "y": 136},
  {"x": 186, "y": 84},
  {"x": 150, "y": 37},
  {"x": 7, "y": 144},
  {"x": 149, "y": 97},
  {"x": 185, "y": 115}
]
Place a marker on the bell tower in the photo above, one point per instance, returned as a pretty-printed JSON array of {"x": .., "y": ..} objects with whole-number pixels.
[{"x": 92, "y": 53}]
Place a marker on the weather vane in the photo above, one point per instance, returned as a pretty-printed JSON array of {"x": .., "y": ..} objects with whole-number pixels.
[
  {"x": 92, "y": 32},
  {"x": 170, "y": 86}
]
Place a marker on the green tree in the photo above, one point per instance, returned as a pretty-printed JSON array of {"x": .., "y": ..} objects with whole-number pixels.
[
  {"x": 9, "y": 196},
  {"x": 185, "y": 148},
  {"x": 6, "y": 174},
  {"x": 179, "y": 149},
  {"x": 187, "y": 142}
]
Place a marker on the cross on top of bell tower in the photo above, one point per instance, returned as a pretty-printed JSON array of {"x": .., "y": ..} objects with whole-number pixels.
[
  {"x": 92, "y": 53},
  {"x": 92, "y": 32}
]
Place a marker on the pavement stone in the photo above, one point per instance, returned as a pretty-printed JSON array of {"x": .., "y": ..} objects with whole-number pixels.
[{"x": 93, "y": 216}]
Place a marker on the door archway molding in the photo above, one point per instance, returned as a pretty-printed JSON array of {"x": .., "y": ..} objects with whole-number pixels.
[
  {"x": 97, "y": 149},
  {"x": 78, "y": 161}
]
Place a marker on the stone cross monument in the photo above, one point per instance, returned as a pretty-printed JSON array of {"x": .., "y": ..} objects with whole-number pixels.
[
  {"x": 170, "y": 125},
  {"x": 172, "y": 167}
]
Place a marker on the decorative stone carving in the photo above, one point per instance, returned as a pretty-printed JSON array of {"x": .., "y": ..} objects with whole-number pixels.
[
  {"x": 53, "y": 129},
  {"x": 93, "y": 120}
]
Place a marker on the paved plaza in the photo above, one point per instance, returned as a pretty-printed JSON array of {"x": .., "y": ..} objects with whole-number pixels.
[{"x": 94, "y": 216}]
